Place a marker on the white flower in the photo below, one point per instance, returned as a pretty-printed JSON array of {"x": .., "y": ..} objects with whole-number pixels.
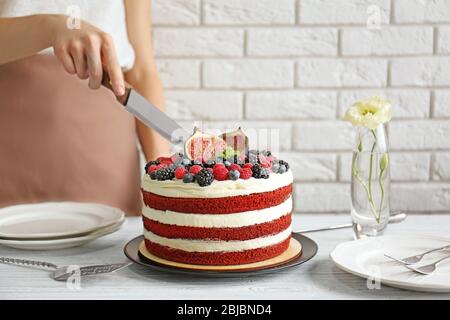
[{"x": 369, "y": 113}]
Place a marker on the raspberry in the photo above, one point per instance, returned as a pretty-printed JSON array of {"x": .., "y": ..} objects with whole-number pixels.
[
  {"x": 151, "y": 168},
  {"x": 160, "y": 166},
  {"x": 164, "y": 160},
  {"x": 180, "y": 172},
  {"x": 247, "y": 165},
  {"x": 246, "y": 173},
  {"x": 220, "y": 173},
  {"x": 218, "y": 165},
  {"x": 195, "y": 169},
  {"x": 234, "y": 167}
]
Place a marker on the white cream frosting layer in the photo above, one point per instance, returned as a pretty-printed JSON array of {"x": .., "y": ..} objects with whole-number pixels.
[
  {"x": 218, "y": 189},
  {"x": 218, "y": 246},
  {"x": 229, "y": 220}
]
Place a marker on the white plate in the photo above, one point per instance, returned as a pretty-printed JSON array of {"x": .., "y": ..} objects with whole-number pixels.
[
  {"x": 60, "y": 243},
  {"x": 365, "y": 258},
  {"x": 55, "y": 219}
]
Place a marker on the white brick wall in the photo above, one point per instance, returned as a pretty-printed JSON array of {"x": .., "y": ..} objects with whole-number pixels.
[{"x": 296, "y": 65}]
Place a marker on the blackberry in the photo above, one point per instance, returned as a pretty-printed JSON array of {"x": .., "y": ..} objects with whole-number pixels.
[
  {"x": 284, "y": 163},
  {"x": 259, "y": 172},
  {"x": 155, "y": 162},
  {"x": 153, "y": 175},
  {"x": 267, "y": 153},
  {"x": 165, "y": 174},
  {"x": 204, "y": 177}
]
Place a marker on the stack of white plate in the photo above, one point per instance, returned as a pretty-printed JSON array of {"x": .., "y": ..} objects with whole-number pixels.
[{"x": 56, "y": 225}]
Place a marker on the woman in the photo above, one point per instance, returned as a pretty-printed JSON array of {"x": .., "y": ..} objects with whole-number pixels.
[{"x": 59, "y": 140}]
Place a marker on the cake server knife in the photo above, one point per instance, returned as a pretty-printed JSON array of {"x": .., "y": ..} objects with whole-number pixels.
[
  {"x": 395, "y": 218},
  {"x": 149, "y": 114},
  {"x": 64, "y": 272}
]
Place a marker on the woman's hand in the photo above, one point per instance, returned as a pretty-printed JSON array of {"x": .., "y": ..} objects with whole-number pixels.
[{"x": 87, "y": 52}]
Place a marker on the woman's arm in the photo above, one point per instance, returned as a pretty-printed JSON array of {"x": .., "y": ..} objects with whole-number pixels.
[
  {"x": 85, "y": 51},
  {"x": 144, "y": 75},
  {"x": 24, "y": 36}
]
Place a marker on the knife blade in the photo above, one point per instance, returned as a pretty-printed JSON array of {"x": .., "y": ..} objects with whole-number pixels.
[{"x": 149, "y": 114}]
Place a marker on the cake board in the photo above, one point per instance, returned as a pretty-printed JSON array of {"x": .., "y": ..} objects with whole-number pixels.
[{"x": 301, "y": 249}]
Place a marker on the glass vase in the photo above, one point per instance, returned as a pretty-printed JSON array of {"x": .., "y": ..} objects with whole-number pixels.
[{"x": 370, "y": 183}]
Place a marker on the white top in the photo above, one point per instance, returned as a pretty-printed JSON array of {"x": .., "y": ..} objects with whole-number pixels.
[{"x": 107, "y": 15}]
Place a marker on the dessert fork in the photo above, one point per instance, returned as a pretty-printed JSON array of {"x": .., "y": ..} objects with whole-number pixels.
[
  {"x": 427, "y": 269},
  {"x": 64, "y": 272},
  {"x": 415, "y": 258}
]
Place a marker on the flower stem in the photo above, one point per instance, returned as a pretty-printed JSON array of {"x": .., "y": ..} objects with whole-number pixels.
[
  {"x": 371, "y": 161},
  {"x": 368, "y": 192},
  {"x": 382, "y": 190}
]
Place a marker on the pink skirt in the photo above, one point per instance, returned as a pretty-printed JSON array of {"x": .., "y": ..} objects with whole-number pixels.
[{"x": 61, "y": 141}]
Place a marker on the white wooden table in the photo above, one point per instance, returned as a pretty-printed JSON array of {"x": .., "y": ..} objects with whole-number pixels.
[{"x": 316, "y": 279}]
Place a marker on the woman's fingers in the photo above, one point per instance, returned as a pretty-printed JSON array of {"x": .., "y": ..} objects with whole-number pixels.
[
  {"x": 94, "y": 64},
  {"x": 63, "y": 55},
  {"x": 90, "y": 55},
  {"x": 78, "y": 56},
  {"x": 112, "y": 65}
]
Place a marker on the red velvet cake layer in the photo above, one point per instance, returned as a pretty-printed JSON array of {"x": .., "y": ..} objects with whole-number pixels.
[
  {"x": 255, "y": 201},
  {"x": 227, "y": 234},
  {"x": 217, "y": 258}
]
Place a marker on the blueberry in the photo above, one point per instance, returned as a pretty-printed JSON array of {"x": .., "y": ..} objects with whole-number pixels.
[
  {"x": 227, "y": 163},
  {"x": 188, "y": 178},
  {"x": 219, "y": 160},
  {"x": 185, "y": 162},
  {"x": 282, "y": 169},
  {"x": 234, "y": 175}
]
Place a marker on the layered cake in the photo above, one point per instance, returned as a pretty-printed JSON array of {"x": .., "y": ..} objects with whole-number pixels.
[{"x": 222, "y": 210}]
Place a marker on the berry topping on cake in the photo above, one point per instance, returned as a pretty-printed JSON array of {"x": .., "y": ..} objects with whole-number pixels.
[
  {"x": 246, "y": 173},
  {"x": 165, "y": 174},
  {"x": 260, "y": 172},
  {"x": 234, "y": 174},
  {"x": 247, "y": 165},
  {"x": 218, "y": 165},
  {"x": 180, "y": 172},
  {"x": 164, "y": 160},
  {"x": 282, "y": 162},
  {"x": 208, "y": 157},
  {"x": 204, "y": 178},
  {"x": 210, "y": 163},
  {"x": 149, "y": 164},
  {"x": 195, "y": 169},
  {"x": 188, "y": 178},
  {"x": 234, "y": 167},
  {"x": 220, "y": 173}
]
